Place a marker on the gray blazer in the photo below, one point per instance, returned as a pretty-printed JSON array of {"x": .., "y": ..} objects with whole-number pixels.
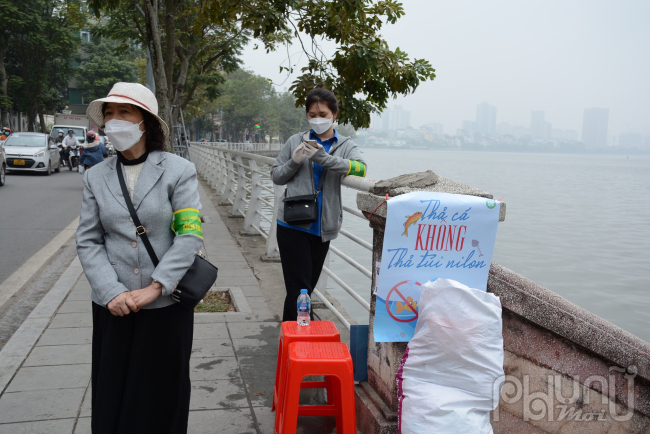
[{"x": 113, "y": 257}]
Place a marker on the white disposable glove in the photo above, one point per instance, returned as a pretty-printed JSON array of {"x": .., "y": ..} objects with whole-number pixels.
[
  {"x": 299, "y": 154},
  {"x": 310, "y": 150}
]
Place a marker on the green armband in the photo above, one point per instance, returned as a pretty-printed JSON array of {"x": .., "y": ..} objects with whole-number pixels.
[
  {"x": 187, "y": 221},
  {"x": 357, "y": 168}
]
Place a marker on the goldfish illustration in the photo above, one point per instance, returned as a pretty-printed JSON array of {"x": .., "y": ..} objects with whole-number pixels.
[
  {"x": 410, "y": 221},
  {"x": 410, "y": 306}
]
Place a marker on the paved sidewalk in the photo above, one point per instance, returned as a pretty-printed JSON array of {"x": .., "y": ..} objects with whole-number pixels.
[{"x": 46, "y": 365}]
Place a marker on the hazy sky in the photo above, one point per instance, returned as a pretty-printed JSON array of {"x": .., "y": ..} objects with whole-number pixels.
[{"x": 556, "y": 56}]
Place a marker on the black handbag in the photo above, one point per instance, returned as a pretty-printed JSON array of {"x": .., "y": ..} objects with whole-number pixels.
[
  {"x": 302, "y": 210},
  {"x": 198, "y": 279}
]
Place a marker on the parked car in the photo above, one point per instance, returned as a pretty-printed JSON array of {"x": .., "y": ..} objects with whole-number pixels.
[
  {"x": 3, "y": 165},
  {"x": 32, "y": 152}
]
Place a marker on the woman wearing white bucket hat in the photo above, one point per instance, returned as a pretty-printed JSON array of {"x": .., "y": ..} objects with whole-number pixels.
[{"x": 142, "y": 339}]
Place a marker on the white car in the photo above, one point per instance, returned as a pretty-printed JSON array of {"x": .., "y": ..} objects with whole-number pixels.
[
  {"x": 3, "y": 164},
  {"x": 32, "y": 152}
]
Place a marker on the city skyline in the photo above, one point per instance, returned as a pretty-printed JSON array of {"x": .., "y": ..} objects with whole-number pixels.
[{"x": 503, "y": 53}]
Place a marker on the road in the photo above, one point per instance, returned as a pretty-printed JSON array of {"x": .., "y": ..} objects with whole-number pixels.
[{"x": 33, "y": 209}]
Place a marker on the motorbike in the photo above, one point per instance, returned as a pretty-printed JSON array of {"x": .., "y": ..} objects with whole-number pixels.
[{"x": 73, "y": 157}]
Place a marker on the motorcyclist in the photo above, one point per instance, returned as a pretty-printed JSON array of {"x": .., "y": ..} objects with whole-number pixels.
[
  {"x": 59, "y": 144},
  {"x": 69, "y": 140},
  {"x": 6, "y": 132},
  {"x": 93, "y": 151},
  {"x": 60, "y": 137}
]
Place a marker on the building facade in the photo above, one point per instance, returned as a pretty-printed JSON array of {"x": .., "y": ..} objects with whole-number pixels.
[{"x": 594, "y": 127}]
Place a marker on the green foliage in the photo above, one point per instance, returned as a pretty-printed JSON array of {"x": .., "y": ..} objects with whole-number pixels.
[
  {"x": 248, "y": 99},
  {"x": 208, "y": 36},
  {"x": 102, "y": 67},
  {"x": 364, "y": 73},
  {"x": 38, "y": 42}
]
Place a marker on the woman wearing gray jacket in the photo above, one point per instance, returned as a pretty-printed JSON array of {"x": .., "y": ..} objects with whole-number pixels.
[
  {"x": 142, "y": 339},
  {"x": 318, "y": 158}
]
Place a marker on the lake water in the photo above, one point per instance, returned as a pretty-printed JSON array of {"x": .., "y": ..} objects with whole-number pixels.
[{"x": 578, "y": 225}]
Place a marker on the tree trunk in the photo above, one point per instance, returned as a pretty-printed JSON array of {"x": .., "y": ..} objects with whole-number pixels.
[
  {"x": 41, "y": 118},
  {"x": 4, "y": 79},
  {"x": 31, "y": 118},
  {"x": 158, "y": 64},
  {"x": 170, "y": 43}
]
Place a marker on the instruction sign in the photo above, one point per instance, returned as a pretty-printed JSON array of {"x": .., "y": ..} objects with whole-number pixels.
[{"x": 429, "y": 236}]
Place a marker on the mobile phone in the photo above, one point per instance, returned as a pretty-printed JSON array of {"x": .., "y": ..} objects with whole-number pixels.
[{"x": 312, "y": 143}]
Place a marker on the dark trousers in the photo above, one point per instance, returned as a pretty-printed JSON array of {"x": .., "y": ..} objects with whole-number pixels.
[
  {"x": 141, "y": 371},
  {"x": 302, "y": 256}
]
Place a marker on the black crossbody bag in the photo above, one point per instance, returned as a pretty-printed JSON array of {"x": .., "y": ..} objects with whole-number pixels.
[
  {"x": 302, "y": 210},
  {"x": 198, "y": 279}
]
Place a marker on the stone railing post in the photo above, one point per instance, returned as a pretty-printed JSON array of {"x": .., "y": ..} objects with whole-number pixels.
[
  {"x": 272, "y": 252},
  {"x": 228, "y": 195},
  {"x": 377, "y": 398},
  {"x": 239, "y": 205},
  {"x": 223, "y": 172},
  {"x": 215, "y": 170},
  {"x": 255, "y": 204}
]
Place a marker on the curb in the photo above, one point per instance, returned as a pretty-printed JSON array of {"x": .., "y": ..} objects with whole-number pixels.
[{"x": 23, "y": 340}]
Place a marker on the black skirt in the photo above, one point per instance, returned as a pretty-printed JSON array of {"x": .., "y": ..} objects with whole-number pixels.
[{"x": 141, "y": 370}]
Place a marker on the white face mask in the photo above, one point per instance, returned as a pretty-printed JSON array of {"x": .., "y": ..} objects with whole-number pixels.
[
  {"x": 320, "y": 125},
  {"x": 123, "y": 134}
]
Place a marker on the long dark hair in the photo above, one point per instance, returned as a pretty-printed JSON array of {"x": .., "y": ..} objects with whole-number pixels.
[
  {"x": 322, "y": 95},
  {"x": 155, "y": 140}
]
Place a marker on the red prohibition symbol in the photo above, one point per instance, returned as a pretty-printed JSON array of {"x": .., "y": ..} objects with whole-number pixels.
[{"x": 408, "y": 305}]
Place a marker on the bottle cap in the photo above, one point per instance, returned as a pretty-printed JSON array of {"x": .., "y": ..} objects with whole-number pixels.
[{"x": 304, "y": 291}]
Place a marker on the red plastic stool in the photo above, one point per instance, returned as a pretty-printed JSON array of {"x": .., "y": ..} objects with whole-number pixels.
[
  {"x": 316, "y": 331},
  {"x": 331, "y": 359}
]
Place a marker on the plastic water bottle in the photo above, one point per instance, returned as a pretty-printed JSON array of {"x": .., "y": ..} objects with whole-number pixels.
[{"x": 304, "y": 308}]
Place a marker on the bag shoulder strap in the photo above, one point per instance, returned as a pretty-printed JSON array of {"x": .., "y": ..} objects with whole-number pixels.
[{"x": 139, "y": 228}]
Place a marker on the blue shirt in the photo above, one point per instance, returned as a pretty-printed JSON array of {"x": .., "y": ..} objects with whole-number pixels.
[{"x": 314, "y": 228}]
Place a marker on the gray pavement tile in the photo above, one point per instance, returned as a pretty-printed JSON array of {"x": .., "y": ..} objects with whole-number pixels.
[
  {"x": 79, "y": 295},
  {"x": 213, "y": 348},
  {"x": 76, "y": 306},
  {"x": 231, "y": 421},
  {"x": 216, "y": 394},
  {"x": 206, "y": 318},
  {"x": 259, "y": 305},
  {"x": 69, "y": 320},
  {"x": 265, "y": 419},
  {"x": 211, "y": 331},
  {"x": 251, "y": 290},
  {"x": 59, "y": 355},
  {"x": 222, "y": 263},
  {"x": 68, "y": 336},
  {"x": 255, "y": 330},
  {"x": 57, "y": 426},
  {"x": 246, "y": 317},
  {"x": 222, "y": 368},
  {"x": 86, "y": 406},
  {"x": 236, "y": 272},
  {"x": 255, "y": 367},
  {"x": 50, "y": 377},
  {"x": 237, "y": 281},
  {"x": 260, "y": 391},
  {"x": 40, "y": 405},
  {"x": 82, "y": 283},
  {"x": 306, "y": 425},
  {"x": 83, "y": 426},
  {"x": 15, "y": 350},
  {"x": 254, "y": 347}
]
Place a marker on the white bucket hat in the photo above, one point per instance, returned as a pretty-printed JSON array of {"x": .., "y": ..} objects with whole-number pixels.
[{"x": 127, "y": 93}]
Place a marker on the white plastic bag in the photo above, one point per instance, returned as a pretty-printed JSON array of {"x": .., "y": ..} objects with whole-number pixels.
[
  {"x": 448, "y": 372},
  {"x": 82, "y": 169}
]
